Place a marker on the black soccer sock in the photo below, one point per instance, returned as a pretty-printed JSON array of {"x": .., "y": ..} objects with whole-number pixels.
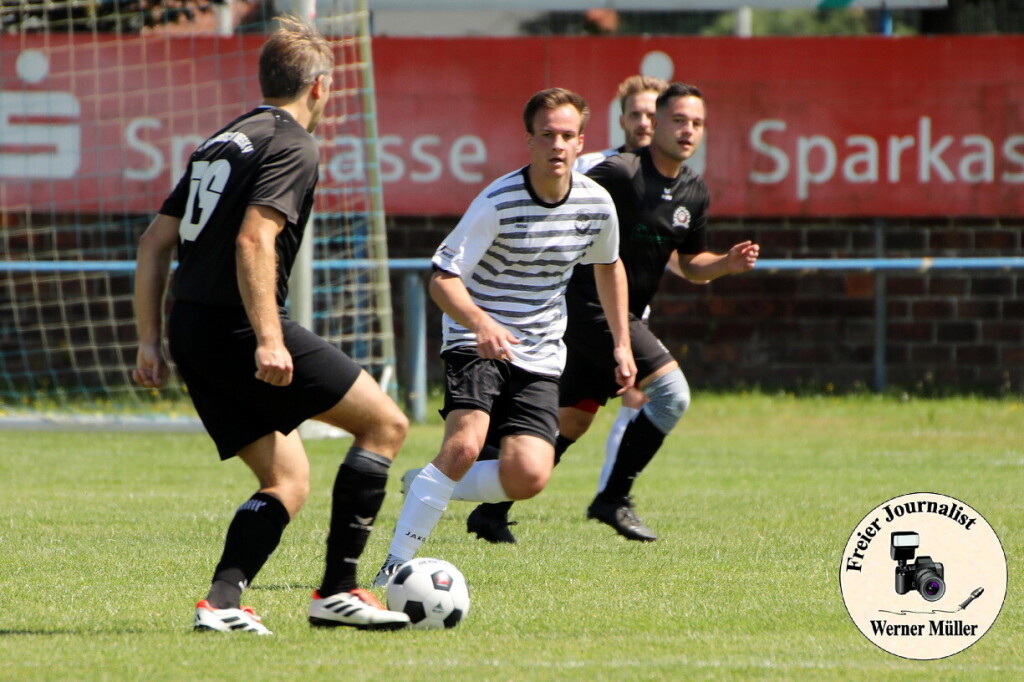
[
  {"x": 640, "y": 441},
  {"x": 252, "y": 537},
  {"x": 358, "y": 495},
  {"x": 561, "y": 445}
]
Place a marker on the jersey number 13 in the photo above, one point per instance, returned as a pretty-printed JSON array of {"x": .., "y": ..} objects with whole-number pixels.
[{"x": 205, "y": 188}]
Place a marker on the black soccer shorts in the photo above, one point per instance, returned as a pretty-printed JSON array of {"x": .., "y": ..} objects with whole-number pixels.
[
  {"x": 518, "y": 401},
  {"x": 590, "y": 366},
  {"x": 214, "y": 347}
]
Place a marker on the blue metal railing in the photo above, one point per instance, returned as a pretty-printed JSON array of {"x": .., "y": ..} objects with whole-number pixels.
[
  {"x": 763, "y": 265},
  {"x": 415, "y": 306}
]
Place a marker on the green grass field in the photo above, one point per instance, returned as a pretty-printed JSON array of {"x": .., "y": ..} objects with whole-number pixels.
[{"x": 109, "y": 539}]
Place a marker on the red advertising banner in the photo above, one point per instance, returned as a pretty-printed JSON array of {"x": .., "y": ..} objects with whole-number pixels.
[{"x": 814, "y": 127}]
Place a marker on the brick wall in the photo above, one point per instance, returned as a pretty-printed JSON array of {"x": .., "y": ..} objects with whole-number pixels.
[{"x": 946, "y": 331}]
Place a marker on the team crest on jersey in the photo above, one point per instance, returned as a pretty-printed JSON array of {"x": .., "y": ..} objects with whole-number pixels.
[
  {"x": 583, "y": 220},
  {"x": 681, "y": 218}
]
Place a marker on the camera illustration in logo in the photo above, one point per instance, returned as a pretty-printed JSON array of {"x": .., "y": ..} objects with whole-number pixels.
[{"x": 924, "y": 575}]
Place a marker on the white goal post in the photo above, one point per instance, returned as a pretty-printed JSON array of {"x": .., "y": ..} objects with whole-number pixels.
[{"x": 101, "y": 111}]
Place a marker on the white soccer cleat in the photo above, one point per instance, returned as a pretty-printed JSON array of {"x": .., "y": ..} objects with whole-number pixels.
[
  {"x": 358, "y": 609},
  {"x": 244, "y": 619}
]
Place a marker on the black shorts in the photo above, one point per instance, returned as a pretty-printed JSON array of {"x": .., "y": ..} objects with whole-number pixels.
[
  {"x": 519, "y": 402},
  {"x": 590, "y": 366},
  {"x": 214, "y": 350}
]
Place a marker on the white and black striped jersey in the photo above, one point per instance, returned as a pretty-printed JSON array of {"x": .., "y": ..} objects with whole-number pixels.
[
  {"x": 584, "y": 162},
  {"x": 515, "y": 254},
  {"x": 264, "y": 157}
]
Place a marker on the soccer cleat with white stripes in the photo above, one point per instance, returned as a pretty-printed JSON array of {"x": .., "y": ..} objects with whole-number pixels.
[
  {"x": 357, "y": 609},
  {"x": 244, "y": 619}
]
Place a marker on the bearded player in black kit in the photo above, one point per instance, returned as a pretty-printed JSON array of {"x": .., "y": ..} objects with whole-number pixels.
[
  {"x": 662, "y": 207},
  {"x": 237, "y": 218}
]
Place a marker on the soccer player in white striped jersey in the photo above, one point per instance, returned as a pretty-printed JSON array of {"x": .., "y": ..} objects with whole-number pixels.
[{"x": 500, "y": 280}]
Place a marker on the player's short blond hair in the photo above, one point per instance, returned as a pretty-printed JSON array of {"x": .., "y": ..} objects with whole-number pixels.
[
  {"x": 552, "y": 98},
  {"x": 637, "y": 84},
  {"x": 293, "y": 58}
]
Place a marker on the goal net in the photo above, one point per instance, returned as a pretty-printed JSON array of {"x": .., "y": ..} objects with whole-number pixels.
[{"x": 100, "y": 106}]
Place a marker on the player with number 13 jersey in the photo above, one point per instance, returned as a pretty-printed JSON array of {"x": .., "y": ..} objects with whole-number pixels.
[{"x": 264, "y": 158}]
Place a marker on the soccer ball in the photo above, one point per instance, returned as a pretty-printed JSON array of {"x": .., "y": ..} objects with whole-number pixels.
[{"x": 433, "y": 592}]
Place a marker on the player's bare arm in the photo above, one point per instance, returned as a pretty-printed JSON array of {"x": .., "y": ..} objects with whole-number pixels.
[
  {"x": 493, "y": 341},
  {"x": 706, "y": 266},
  {"x": 156, "y": 250},
  {"x": 613, "y": 292},
  {"x": 256, "y": 263},
  {"x": 676, "y": 268}
]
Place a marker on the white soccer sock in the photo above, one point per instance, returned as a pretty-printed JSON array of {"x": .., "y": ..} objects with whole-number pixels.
[
  {"x": 425, "y": 502},
  {"x": 611, "y": 447},
  {"x": 481, "y": 484}
]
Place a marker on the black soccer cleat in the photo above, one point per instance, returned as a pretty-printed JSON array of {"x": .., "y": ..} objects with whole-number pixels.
[
  {"x": 618, "y": 513},
  {"x": 490, "y": 522}
]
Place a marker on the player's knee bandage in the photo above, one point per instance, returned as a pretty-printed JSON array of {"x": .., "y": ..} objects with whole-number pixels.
[{"x": 669, "y": 396}]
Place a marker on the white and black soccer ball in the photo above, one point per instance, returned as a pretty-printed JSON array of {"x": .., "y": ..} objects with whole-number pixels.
[{"x": 433, "y": 592}]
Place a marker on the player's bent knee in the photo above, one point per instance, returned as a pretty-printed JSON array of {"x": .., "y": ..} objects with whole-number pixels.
[
  {"x": 395, "y": 427},
  {"x": 525, "y": 478},
  {"x": 668, "y": 399},
  {"x": 526, "y": 485},
  {"x": 459, "y": 455}
]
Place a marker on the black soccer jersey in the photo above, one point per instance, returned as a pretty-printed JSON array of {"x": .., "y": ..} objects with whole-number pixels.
[
  {"x": 265, "y": 158},
  {"x": 657, "y": 215}
]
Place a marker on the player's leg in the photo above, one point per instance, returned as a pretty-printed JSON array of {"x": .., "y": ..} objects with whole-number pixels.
[
  {"x": 378, "y": 428},
  {"x": 490, "y": 520},
  {"x": 214, "y": 357},
  {"x": 632, "y": 400},
  {"x": 280, "y": 465},
  {"x": 430, "y": 491},
  {"x": 668, "y": 398},
  {"x": 582, "y": 380},
  {"x": 528, "y": 445},
  {"x": 525, "y": 465}
]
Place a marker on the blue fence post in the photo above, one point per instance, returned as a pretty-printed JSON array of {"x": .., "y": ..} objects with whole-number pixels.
[
  {"x": 415, "y": 317},
  {"x": 881, "y": 310}
]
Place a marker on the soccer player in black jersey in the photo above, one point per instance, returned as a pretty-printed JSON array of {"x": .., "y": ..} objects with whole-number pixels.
[
  {"x": 236, "y": 219},
  {"x": 637, "y": 95},
  {"x": 662, "y": 208}
]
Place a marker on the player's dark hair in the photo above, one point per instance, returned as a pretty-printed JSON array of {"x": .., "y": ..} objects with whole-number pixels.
[
  {"x": 293, "y": 58},
  {"x": 552, "y": 98},
  {"x": 677, "y": 90},
  {"x": 637, "y": 84}
]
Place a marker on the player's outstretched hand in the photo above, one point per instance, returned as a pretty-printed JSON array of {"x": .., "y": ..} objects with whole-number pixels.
[
  {"x": 625, "y": 369},
  {"x": 150, "y": 368},
  {"x": 743, "y": 256},
  {"x": 274, "y": 365},
  {"x": 493, "y": 341}
]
